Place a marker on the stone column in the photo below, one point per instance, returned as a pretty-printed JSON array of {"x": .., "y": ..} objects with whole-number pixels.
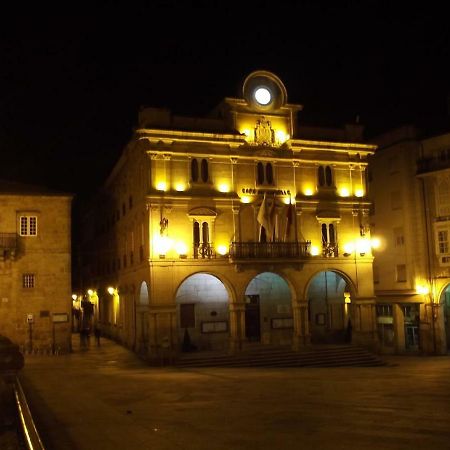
[{"x": 237, "y": 327}]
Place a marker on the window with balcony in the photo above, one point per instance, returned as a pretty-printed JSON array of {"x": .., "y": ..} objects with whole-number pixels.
[{"x": 329, "y": 239}]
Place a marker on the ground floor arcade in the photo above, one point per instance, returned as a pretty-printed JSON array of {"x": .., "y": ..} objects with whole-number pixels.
[{"x": 185, "y": 306}]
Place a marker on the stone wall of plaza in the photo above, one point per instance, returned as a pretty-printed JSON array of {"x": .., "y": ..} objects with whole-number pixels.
[
  {"x": 248, "y": 197},
  {"x": 410, "y": 191},
  {"x": 35, "y": 268}
]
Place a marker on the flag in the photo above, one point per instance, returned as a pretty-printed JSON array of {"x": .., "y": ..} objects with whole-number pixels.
[
  {"x": 272, "y": 222},
  {"x": 263, "y": 217},
  {"x": 289, "y": 218}
]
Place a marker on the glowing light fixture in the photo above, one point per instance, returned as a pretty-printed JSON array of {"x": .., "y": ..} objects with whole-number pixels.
[
  {"x": 90, "y": 292},
  {"x": 314, "y": 250},
  {"x": 422, "y": 289},
  {"x": 181, "y": 249},
  {"x": 222, "y": 250},
  {"x": 308, "y": 192},
  {"x": 180, "y": 187},
  {"x": 349, "y": 248},
  {"x": 375, "y": 243},
  {"x": 110, "y": 290},
  {"x": 161, "y": 186},
  {"x": 162, "y": 245},
  {"x": 224, "y": 187},
  {"x": 344, "y": 192},
  {"x": 263, "y": 96},
  {"x": 245, "y": 199},
  {"x": 74, "y": 297},
  {"x": 363, "y": 246},
  {"x": 359, "y": 193},
  {"x": 281, "y": 136}
]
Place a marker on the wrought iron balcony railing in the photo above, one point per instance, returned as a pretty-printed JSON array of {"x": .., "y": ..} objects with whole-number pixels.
[
  {"x": 330, "y": 250},
  {"x": 268, "y": 250},
  {"x": 8, "y": 244},
  {"x": 204, "y": 251}
]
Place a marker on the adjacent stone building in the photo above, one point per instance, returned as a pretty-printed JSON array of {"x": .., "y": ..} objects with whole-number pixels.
[
  {"x": 410, "y": 189},
  {"x": 35, "y": 267},
  {"x": 245, "y": 226}
]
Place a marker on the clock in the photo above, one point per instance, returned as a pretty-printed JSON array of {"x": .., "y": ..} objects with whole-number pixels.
[{"x": 262, "y": 95}]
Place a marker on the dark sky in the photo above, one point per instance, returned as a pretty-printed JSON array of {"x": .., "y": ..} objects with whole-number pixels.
[{"x": 72, "y": 80}]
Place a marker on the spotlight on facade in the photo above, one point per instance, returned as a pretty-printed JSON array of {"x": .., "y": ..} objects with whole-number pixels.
[
  {"x": 359, "y": 193},
  {"x": 344, "y": 192},
  {"x": 349, "y": 248},
  {"x": 181, "y": 249},
  {"x": 222, "y": 250},
  {"x": 314, "y": 250},
  {"x": 375, "y": 243},
  {"x": 422, "y": 289}
]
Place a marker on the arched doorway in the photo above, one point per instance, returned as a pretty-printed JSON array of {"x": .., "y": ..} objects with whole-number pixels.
[
  {"x": 268, "y": 310},
  {"x": 328, "y": 309},
  {"x": 142, "y": 334},
  {"x": 203, "y": 314}
]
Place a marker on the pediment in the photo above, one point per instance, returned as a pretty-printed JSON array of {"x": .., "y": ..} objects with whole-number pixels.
[{"x": 202, "y": 211}]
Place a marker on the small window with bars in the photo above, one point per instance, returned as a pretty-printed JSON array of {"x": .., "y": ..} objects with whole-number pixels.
[{"x": 28, "y": 280}]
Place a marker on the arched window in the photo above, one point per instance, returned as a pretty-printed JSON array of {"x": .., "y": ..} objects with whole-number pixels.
[
  {"x": 324, "y": 234},
  {"x": 269, "y": 173},
  {"x": 321, "y": 176},
  {"x": 260, "y": 173},
  {"x": 194, "y": 170},
  {"x": 328, "y": 176},
  {"x": 196, "y": 233},
  {"x": 205, "y": 233},
  {"x": 204, "y": 169},
  {"x": 264, "y": 173}
]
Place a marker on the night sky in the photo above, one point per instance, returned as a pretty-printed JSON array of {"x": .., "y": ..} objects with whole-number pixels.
[{"x": 72, "y": 80}]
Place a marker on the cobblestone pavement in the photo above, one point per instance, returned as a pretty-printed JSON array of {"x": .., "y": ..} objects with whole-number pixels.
[{"x": 106, "y": 398}]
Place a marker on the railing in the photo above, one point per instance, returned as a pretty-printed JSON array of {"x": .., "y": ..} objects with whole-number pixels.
[
  {"x": 204, "y": 251},
  {"x": 8, "y": 241},
  {"x": 330, "y": 250},
  {"x": 433, "y": 163},
  {"x": 268, "y": 250}
]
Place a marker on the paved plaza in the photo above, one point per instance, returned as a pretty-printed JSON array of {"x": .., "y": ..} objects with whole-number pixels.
[{"x": 106, "y": 398}]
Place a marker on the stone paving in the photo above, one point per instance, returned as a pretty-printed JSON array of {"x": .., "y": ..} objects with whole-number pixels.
[{"x": 106, "y": 398}]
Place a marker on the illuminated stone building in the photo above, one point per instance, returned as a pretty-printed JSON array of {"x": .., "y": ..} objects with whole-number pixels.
[
  {"x": 410, "y": 189},
  {"x": 245, "y": 226},
  {"x": 35, "y": 267}
]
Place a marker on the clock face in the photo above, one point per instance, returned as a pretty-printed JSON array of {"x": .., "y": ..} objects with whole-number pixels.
[{"x": 263, "y": 95}]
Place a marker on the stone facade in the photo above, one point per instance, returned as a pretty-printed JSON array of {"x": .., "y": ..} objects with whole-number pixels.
[
  {"x": 411, "y": 216},
  {"x": 246, "y": 204},
  {"x": 35, "y": 267}
]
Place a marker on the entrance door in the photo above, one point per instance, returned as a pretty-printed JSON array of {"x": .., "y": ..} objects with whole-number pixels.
[{"x": 252, "y": 320}]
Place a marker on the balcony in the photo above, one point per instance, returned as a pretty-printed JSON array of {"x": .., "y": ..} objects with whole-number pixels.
[
  {"x": 204, "y": 251},
  {"x": 270, "y": 250},
  {"x": 8, "y": 245}
]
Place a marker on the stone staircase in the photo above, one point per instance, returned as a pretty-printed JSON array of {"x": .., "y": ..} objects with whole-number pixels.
[{"x": 268, "y": 356}]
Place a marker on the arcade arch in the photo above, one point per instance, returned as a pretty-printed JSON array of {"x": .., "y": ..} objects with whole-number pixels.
[
  {"x": 202, "y": 302},
  {"x": 142, "y": 319},
  {"x": 444, "y": 303},
  {"x": 268, "y": 310},
  {"x": 328, "y": 295}
]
